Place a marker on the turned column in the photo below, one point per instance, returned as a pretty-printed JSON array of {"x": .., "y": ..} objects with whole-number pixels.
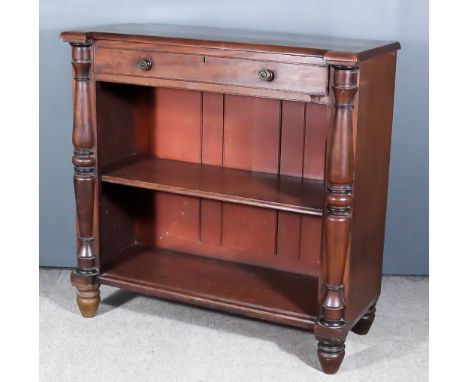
[
  {"x": 331, "y": 331},
  {"x": 84, "y": 278}
]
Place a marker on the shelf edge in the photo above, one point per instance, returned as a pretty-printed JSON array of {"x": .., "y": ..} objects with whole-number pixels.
[
  {"x": 261, "y": 313},
  {"x": 213, "y": 196}
]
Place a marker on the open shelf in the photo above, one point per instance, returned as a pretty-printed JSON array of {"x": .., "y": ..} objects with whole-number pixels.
[
  {"x": 285, "y": 193},
  {"x": 282, "y": 297}
]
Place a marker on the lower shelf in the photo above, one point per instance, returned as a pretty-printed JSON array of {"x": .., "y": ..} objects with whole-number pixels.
[{"x": 261, "y": 293}]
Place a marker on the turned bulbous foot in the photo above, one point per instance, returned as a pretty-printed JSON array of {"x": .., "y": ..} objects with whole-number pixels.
[
  {"x": 330, "y": 356},
  {"x": 363, "y": 326},
  {"x": 88, "y": 300}
]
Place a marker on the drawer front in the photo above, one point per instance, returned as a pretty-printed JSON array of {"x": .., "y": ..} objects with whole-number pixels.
[{"x": 303, "y": 78}]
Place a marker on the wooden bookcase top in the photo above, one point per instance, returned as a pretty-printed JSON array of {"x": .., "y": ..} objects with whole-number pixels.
[{"x": 327, "y": 48}]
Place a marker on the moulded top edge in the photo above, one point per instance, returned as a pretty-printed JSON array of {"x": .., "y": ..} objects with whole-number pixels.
[{"x": 331, "y": 49}]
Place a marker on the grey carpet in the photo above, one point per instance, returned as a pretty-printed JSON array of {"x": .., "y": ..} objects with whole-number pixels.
[{"x": 136, "y": 338}]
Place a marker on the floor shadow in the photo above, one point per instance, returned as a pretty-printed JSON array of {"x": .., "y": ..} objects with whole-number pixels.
[
  {"x": 378, "y": 346},
  {"x": 368, "y": 350},
  {"x": 298, "y": 342},
  {"x": 116, "y": 299},
  {"x": 371, "y": 349}
]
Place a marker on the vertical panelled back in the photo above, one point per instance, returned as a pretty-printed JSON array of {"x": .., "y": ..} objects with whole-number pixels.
[{"x": 268, "y": 136}]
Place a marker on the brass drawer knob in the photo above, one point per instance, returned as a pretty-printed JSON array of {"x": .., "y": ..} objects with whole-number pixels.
[
  {"x": 144, "y": 64},
  {"x": 266, "y": 75}
]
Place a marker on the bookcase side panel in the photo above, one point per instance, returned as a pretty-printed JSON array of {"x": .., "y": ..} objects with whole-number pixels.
[
  {"x": 115, "y": 121},
  {"x": 373, "y": 138}
]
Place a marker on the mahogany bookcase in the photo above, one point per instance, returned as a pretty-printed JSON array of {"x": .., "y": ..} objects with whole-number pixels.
[{"x": 240, "y": 171}]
